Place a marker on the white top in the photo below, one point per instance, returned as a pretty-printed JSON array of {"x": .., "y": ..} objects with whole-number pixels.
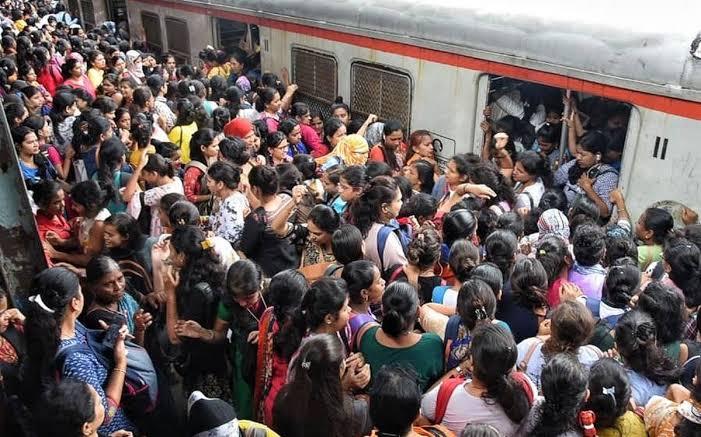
[
  {"x": 587, "y": 355},
  {"x": 393, "y": 254},
  {"x": 535, "y": 191},
  {"x": 464, "y": 408},
  {"x": 152, "y": 198},
  {"x": 227, "y": 221}
]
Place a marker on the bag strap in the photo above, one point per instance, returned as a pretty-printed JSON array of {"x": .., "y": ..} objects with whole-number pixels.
[
  {"x": 523, "y": 365},
  {"x": 382, "y": 237},
  {"x": 445, "y": 391},
  {"x": 522, "y": 379}
]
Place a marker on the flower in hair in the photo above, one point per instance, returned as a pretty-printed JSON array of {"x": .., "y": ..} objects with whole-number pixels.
[
  {"x": 306, "y": 365},
  {"x": 207, "y": 244}
]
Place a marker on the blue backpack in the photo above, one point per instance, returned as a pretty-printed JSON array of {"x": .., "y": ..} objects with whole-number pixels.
[
  {"x": 382, "y": 236},
  {"x": 140, "y": 392}
]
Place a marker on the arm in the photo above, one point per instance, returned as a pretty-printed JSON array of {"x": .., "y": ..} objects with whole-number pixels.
[
  {"x": 192, "y": 329},
  {"x": 370, "y": 120},
  {"x": 618, "y": 200},
  {"x": 170, "y": 282},
  {"x": 133, "y": 183},
  {"x": 279, "y": 225},
  {"x": 287, "y": 98}
]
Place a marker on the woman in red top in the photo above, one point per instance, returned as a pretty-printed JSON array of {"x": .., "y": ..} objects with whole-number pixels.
[
  {"x": 204, "y": 150},
  {"x": 47, "y": 69},
  {"x": 390, "y": 151},
  {"x": 51, "y": 223},
  {"x": 74, "y": 75}
]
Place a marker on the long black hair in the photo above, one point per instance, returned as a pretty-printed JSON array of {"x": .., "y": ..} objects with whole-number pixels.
[
  {"x": 64, "y": 409},
  {"x": 285, "y": 294},
  {"x": 684, "y": 260},
  {"x": 111, "y": 156},
  {"x": 367, "y": 209},
  {"x": 202, "y": 265},
  {"x": 593, "y": 142},
  {"x": 326, "y": 296},
  {"x": 609, "y": 390},
  {"x": 56, "y": 287}
]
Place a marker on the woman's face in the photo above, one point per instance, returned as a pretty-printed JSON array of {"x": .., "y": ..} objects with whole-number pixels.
[
  {"x": 347, "y": 192},
  {"x": 77, "y": 70},
  {"x": 57, "y": 205},
  {"x": 108, "y": 87},
  {"x": 337, "y": 136},
  {"x": 546, "y": 146},
  {"x": 520, "y": 174},
  {"x": 452, "y": 176},
  {"x": 212, "y": 186},
  {"x": 212, "y": 150},
  {"x": 36, "y": 101},
  {"x": 110, "y": 288},
  {"x": 342, "y": 115},
  {"x": 342, "y": 316},
  {"x": 377, "y": 288},
  {"x": 175, "y": 258},
  {"x": 247, "y": 301},
  {"x": 236, "y": 66},
  {"x": 99, "y": 62},
  {"x": 413, "y": 175},
  {"x": 126, "y": 90},
  {"x": 90, "y": 428},
  {"x": 31, "y": 75},
  {"x": 274, "y": 106},
  {"x": 280, "y": 151},
  {"x": 113, "y": 239},
  {"x": 124, "y": 121},
  {"x": 317, "y": 123},
  {"x": 317, "y": 235},
  {"x": 119, "y": 65},
  {"x": 30, "y": 145},
  {"x": 305, "y": 119},
  {"x": 394, "y": 140},
  {"x": 295, "y": 136},
  {"x": 425, "y": 147},
  {"x": 585, "y": 159},
  {"x": 170, "y": 64},
  {"x": 391, "y": 209}
]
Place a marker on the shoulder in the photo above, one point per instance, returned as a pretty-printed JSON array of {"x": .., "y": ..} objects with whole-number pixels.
[{"x": 430, "y": 339}]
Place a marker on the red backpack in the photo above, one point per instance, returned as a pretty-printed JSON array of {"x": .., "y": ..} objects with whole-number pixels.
[{"x": 445, "y": 391}]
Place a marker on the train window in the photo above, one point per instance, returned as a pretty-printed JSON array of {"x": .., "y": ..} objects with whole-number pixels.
[
  {"x": 376, "y": 89},
  {"x": 230, "y": 33},
  {"x": 152, "y": 28},
  {"x": 316, "y": 74},
  {"x": 74, "y": 8},
  {"x": 88, "y": 13},
  {"x": 178, "y": 39}
]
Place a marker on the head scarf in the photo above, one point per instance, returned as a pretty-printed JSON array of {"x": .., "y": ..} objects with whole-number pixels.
[
  {"x": 553, "y": 222},
  {"x": 375, "y": 133},
  {"x": 238, "y": 127},
  {"x": 132, "y": 56},
  {"x": 352, "y": 149}
]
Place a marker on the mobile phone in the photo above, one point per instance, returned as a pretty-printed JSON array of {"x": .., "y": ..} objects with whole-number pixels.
[{"x": 111, "y": 336}]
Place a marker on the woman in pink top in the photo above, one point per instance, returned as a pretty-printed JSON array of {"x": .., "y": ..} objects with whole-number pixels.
[
  {"x": 300, "y": 111},
  {"x": 75, "y": 77},
  {"x": 269, "y": 104},
  {"x": 553, "y": 254}
]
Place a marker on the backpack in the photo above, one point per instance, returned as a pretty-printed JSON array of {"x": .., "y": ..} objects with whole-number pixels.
[
  {"x": 382, "y": 236},
  {"x": 140, "y": 392},
  {"x": 452, "y": 330},
  {"x": 447, "y": 387}
]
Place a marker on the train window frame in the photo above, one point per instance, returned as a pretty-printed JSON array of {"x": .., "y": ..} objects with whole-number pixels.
[
  {"x": 180, "y": 55},
  {"x": 384, "y": 70},
  {"x": 88, "y": 19},
  {"x": 156, "y": 44},
  {"x": 316, "y": 101}
]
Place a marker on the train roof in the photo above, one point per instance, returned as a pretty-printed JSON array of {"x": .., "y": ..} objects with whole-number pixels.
[{"x": 623, "y": 43}]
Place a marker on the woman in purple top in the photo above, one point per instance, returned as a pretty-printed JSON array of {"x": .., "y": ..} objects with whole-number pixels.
[
  {"x": 365, "y": 288},
  {"x": 589, "y": 247}
]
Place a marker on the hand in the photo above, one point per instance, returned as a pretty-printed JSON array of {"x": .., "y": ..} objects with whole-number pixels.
[
  {"x": 356, "y": 379},
  {"x": 122, "y": 433},
  {"x": 616, "y": 197},
  {"x": 293, "y": 87},
  {"x": 569, "y": 291},
  {"x": 54, "y": 239},
  {"x": 171, "y": 280},
  {"x": 569, "y": 121},
  {"x": 253, "y": 337},
  {"x": 689, "y": 216},
  {"x": 523, "y": 212},
  {"x": 613, "y": 354},
  {"x": 49, "y": 249},
  {"x": 486, "y": 127},
  {"x": 487, "y": 112},
  {"x": 298, "y": 193},
  {"x": 285, "y": 74},
  {"x": 191, "y": 329},
  {"x": 478, "y": 190},
  {"x": 156, "y": 299},
  {"x": 371, "y": 119},
  {"x": 70, "y": 152},
  {"x": 142, "y": 320},
  {"x": 544, "y": 328},
  {"x": 355, "y": 361},
  {"x": 586, "y": 183},
  {"x": 13, "y": 315},
  {"x": 120, "y": 349}
]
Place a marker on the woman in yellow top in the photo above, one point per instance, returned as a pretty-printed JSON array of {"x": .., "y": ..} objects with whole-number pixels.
[
  {"x": 184, "y": 128},
  {"x": 97, "y": 63},
  {"x": 220, "y": 65}
]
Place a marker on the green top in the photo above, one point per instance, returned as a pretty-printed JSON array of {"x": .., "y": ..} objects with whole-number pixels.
[
  {"x": 629, "y": 425},
  {"x": 426, "y": 356},
  {"x": 648, "y": 255}
]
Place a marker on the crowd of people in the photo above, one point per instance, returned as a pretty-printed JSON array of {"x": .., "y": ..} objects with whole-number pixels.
[{"x": 225, "y": 261}]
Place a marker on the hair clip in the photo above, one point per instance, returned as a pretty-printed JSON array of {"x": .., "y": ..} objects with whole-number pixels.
[
  {"x": 609, "y": 391},
  {"x": 191, "y": 88},
  {"x": 207, "y": 244},
  {"x": 306, "y": 365},
  {"x": 480, "y": 313},
  {"x": 542, "y": 252},
  {"x": 37, "y": 300},
  {"x": 181, "y": 222}
]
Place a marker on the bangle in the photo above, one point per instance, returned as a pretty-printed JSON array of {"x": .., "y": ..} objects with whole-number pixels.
[
  {"x": 116, "y": 369},
  {"x": 458, "y": 370}
]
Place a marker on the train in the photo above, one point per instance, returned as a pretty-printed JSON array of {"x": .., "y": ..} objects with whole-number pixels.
[{"x": 432, "y": 65}]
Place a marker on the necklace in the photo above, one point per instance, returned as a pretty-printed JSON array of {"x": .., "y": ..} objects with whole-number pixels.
[{"x": 265, "y": 306}]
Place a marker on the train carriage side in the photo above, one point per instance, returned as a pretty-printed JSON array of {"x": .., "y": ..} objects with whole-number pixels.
[{"x": 442, "y": 92}]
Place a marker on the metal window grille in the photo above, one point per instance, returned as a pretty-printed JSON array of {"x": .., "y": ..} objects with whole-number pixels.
[
  {"x": 88, "y": 14},
  {"x": 316, "y": 74},
  {"x": 178, "y": 39},
  {"x": 152, "y": 28},
  {"x": 381, "y": 91}
]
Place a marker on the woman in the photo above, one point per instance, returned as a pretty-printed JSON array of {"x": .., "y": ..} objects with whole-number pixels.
[
  {"x": 74, "y": 76},
  {"x": 669, "y": 312},
  {"x": 609, "y": 398},
  {"x": 63, "y": 115},
  {"x": 553, "y": 253},
  {"x": 587, "y": 175},
  {"x": 34, "y": 101},
  {"x": 280, "y": 332},
  {"x": 268, "y": 105},
  {"x": 275, "y": 149},
  {"x": 110, "y": 175},
  {"x": 111, "y": 303},
  {"x": 317, "y": 123},
  {"x": 122, "y": 122},
  {"x": 89, "y": 132},
  {"x": 134, "y": 68},
  {"x": 184, "y": 128},
  {"x": 313, "y": 403},
  {"x": 34, "y": 165},
  {"x": 395, "y": 340},
  {"x": 204, "y": 150},
  {"x": 52, "y": 320},
  {"x": 98, "y": 64},
  {"x": 420, "y": 148},
  {"x": 293, "y": 132},
  {"x": 259, "y": 242},
  {"x": 348, "y": 150},
  {"x": 334, "y": 131},
  {"x": 420, "y": 175},
  {"x": 47, "y": 68},
  {"x": 564, "y": 388},
  {"x": 158, "y": 174},
  {"x": 423, "y": 253},
  {"x": 309, "y": 137},
  {"x": 532, "y": 176},
  {"x": 365, "y": 288},
  {"x": 193, "y": 285},
  {"x": 571, "y": 326},
  {"x": 650, "y": 371},
  {"x": 464, "y": 257},
  {"x": 223, "y": 181},
  {"x": 50, "y": 216},
  {"x": 494, "y": 396},
  {"x": 456, "y": 173},
  {"x": 109, "y": 88},
  {"x": 351, "y": 184},
  {"x": 374, "y": 213},
  {"x": 43, "y": 128},
  {"x": 678, "y": 413},
  {"x": 389, "y": 151},
  {"x": 125, "y": 243},
  {"x": 653, "y": 228}
]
